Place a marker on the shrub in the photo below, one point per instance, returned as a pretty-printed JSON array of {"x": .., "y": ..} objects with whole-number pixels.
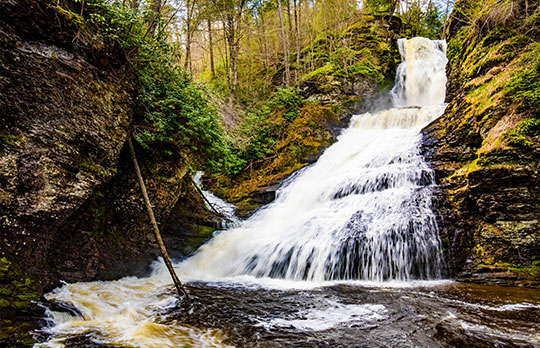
[{"x": 175, "y": 109}]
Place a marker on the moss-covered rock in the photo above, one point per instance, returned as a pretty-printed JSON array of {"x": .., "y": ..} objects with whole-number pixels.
[
  {"x": 70, "y": 205},
  {"x": 486, "y": 147},
  {"x": 302, "y": 141},
  {"x": 365, "y": 57}
]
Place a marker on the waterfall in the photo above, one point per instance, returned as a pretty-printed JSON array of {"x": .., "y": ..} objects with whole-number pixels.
[
  {"x": 226, "y": 209},
  {"x": 363, "y": 210},
  {"x": 421, "y": 77}
]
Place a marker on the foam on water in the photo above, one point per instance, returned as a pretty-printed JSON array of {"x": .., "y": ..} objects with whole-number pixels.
[
  {"x": 126, "y": 313},
  {"x": 333, "y": 315}
]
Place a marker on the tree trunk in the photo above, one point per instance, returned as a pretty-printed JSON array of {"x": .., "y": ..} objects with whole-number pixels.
[
  {"x": 212, "y": 68},
  {"x": 290, "y": 21},
  {"x": 228, "y": 61},
  {"x": 187, "y": 62},
  {"x": 234, "y": 60},
  {"x": 445, "y": 19},
  {"x": 285, "y": 53},
  {"x": 155, "y": 227},
  {"x": 324, "y": 18},
  {"x": 156, "y": 8},
  {"x": 230, "y": 34},
  {"x": 297, "y": 25},
  {"x": 265, "y": 44}
]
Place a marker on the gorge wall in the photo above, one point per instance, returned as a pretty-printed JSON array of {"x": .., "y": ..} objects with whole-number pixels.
[
  {"x": 70, "y": 207},
  {"x": 486, "y": 146}
]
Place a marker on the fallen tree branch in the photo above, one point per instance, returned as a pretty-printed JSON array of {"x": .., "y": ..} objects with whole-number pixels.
[
  {"x": 176, "y": 281},
  {"x": 204, "y": 198}
]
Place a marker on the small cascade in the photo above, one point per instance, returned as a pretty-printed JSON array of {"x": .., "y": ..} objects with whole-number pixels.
[
  {"x": 363, "y": 210},
  {"x": 226, "y": 209}
]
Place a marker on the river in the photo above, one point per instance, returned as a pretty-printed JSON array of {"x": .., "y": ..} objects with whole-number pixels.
[{"x": 348, "y": 255}]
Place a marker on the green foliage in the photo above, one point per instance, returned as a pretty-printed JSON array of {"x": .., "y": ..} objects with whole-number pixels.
[
  {"x": 327, "y": 69},
  {"x": 288, "y": 100},
  {"x": 366, "y": 69},
  {"x": 423, "y": 23},
  {"x": 70, "y": 17},
  {"x": 524, "y": 87},
  {"x": 176, "y": 110},
  {"x": 383, "y": 6},
  {"x": 520, "y": 136},
  {"x": 264, "y": 126}
]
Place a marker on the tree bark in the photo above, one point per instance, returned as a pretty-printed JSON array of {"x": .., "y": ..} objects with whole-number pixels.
[
  {"x": 297, "y": 25},
  {"x": 156, "y": 8},
  {"x": 212, "y": 68},
  {"x": 445, "y": 19},
  {"x": 285, "y": 53},
  {"x": 187, "y": 62},
  {"x": 153, "y": 221},
  {"x": 265, "y": 44},
  {"x": 290, "y": 21}
]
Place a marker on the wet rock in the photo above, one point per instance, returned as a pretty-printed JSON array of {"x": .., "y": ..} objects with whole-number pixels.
[
  {"x": 487, "y": 198},
  {"x": 70, "y": 206},
  {"x": 265, "y": 196}
]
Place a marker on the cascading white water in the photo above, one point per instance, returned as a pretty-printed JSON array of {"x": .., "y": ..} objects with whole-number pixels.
[
  {"x": 363, "y": 210},
  {"x": 421, "y": 77},
  {"x": 226, "y": 209}
]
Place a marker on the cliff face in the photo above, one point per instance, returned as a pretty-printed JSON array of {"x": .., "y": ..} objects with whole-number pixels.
[
  {"x": 66, "y": 109},
  {"x": 486, "y": 146},
  {"x": 70, "y": 207}
]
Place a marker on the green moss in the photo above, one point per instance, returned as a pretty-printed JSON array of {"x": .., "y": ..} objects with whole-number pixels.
[
  {"x": 325, "y": 70},
  {"x": 522, "y": 135},
  {"x": 524, "y": 88},
  {"x": 70, "y": 17},
  {"x": 366, "y": 69},
  {"x": 531, "y": 271},
  {"x": 17, "y": 289},
  {"x": 16, "y": 334},
  {"x": 203, "y": 233},
  {"x": 88, "y": 165},
  {"x": 9, "y": 139}
]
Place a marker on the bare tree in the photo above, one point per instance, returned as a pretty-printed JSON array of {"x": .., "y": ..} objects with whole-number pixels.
[
  {"x": 231, "y": 13},
  {"x": 284, "y": 40},
  {"x": 211, "y": 47},
  {"x": 153, "y": 221}
]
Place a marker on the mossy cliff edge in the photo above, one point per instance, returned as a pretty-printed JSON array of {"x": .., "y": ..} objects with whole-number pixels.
[
  {"x": 70, "y": 207},
  {"x": 486, "y": 147}
]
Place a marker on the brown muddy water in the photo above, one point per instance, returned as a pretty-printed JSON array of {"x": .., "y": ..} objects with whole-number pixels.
[{"x": 344, "y": 314}]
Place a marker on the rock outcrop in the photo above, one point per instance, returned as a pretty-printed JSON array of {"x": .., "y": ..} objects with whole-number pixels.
[
  {"x": 70, "y": 207},
  {"x": 486, "y": 147},
  {"x": 368, "y": 60}
]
